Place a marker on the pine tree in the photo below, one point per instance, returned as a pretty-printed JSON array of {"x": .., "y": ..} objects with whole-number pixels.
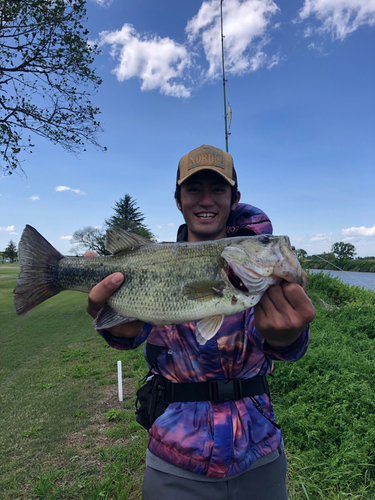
[
  {"x": 10, "y": 252},
  {"x": 129, "y": 217}
]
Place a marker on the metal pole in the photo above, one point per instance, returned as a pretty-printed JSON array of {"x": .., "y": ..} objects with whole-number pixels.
[{"x": 222, "y": 57}]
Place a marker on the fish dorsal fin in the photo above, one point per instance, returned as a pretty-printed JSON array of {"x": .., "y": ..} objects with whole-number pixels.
[
  {"x": 208, "y": 327},
  {"x": 204, "y": 290},
  {"x": 118, "y": 240},
  {"x": 108, "y": 318}
]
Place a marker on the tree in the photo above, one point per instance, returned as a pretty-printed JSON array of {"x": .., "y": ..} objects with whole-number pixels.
[
  {"x": 46, "y": 78},
  {"x": 301, "y": 253},
  {"x": 343, "y": 251},
  {"x": 10, "y": 252},
  {"x": 129, "y": 217},
  {"x": 89, "y": 238}
]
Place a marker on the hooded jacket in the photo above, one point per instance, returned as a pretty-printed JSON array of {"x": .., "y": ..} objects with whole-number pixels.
[{"x": 216, "y": 439}]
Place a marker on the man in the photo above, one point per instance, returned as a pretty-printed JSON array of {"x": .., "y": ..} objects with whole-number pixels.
[{"x": 217, "y": 448}]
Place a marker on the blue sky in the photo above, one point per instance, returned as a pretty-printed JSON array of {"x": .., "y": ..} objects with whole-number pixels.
[{"x": 301, "y": 80}]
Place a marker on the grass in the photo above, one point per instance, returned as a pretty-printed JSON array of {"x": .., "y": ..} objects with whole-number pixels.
[
  {"x": 64, "y": 434},
  {"x": 58, "y": 381},
  {"x": 325, "y": 403}
]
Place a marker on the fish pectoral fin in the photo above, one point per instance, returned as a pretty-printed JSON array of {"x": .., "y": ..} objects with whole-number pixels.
[
  {"x": 108, "y": 318},
  {"x": 204, "y": 290},
  {"x": 118, "y": 240},
  {"x": 208, "y": 327}
]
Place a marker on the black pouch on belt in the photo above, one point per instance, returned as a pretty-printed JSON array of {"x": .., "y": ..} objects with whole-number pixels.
[{"x": 149, "y": 404}]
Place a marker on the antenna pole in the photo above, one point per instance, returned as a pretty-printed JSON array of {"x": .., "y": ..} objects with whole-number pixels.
[{"x": 224, "y": 80}]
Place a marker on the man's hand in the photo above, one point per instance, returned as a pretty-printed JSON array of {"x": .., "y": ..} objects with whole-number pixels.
[
  {"x": 283, "y": 312},
  {"x": 98, "y": 297}
]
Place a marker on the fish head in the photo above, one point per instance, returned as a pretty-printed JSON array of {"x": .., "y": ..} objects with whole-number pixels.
[{"x": 261, "y": 261}]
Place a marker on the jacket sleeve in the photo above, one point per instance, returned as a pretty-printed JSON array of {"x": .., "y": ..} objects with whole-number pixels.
[
  {"x": 292, "y": 352},
  {"x": 124, "y": 343}
]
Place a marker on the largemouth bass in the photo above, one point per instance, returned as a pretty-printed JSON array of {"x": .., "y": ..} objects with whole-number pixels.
[{"x": 166, "y": 283}]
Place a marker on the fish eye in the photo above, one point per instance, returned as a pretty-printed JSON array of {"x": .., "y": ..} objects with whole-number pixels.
[{"x": 265, "y": 239}]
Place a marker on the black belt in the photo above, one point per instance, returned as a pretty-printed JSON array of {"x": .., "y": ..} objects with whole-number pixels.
[{"x": 216, "y": 391}]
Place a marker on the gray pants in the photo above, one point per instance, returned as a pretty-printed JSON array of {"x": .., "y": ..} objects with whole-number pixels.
[{"x": 263, "y": 483}]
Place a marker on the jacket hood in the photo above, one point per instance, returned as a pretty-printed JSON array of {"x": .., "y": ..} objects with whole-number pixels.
[{"x": 244, "y": 220}]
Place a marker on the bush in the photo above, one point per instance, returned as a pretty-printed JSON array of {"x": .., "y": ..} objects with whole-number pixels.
[
  {"x": 325, "y": 402},
  {"x": 336, "y": 292}
]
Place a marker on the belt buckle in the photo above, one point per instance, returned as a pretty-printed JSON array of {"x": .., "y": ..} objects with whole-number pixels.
[{"x": 224, "y": 390}]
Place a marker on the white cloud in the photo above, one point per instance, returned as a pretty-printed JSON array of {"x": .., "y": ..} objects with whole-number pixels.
[
  {"x": 168, "y": 240},
  {"x": 78, "y": 191},
  {"x": 103, "y": 3},
  {"x": 170, "y": 224},
  {"x": 358, "y": 231},
  {"x": 156, "y": 61},
  {"x": 9, "y": 228},
  {"x": 245, "y": 31},
  {"x": 66, "y": 188},
  {"x": 350, "y": 239},
  {"x": 65, "y": 237},
  {"x": 166, "y": 65},
  {"x": 338, "y": 18},
  {"x": 322, "y": 237},
  {"x": 34, "y": 198}
]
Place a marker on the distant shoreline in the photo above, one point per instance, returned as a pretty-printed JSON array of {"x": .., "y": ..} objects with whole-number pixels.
[{"x": 355, "y": 265}]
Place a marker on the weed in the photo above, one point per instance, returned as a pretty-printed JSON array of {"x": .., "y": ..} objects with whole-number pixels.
[
  {"x": 41, "y": 385},
  {"x": 72, "y": 354},
  {"x": 81, "y": 414},
  {"x": 34, "y": 429},
  {"x": 114, "y": 415}
]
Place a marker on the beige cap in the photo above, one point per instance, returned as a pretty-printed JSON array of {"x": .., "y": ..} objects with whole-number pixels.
[{"x": 207, "y": 158}]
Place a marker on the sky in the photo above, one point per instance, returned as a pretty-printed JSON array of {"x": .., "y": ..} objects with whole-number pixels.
[{"x": 301, "y": 85}]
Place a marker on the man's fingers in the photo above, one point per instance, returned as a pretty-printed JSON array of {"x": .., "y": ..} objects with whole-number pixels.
[
  {"x": 272, "y": 299},
  {"x": 100, "y": 292},
  {"x": 296, "y": 296}
]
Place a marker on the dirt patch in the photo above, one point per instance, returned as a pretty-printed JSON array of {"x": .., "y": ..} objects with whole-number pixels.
[{"x": 92, "y": 437}]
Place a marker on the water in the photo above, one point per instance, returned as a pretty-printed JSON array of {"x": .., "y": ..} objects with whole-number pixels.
[{"x": 365, "y": 280}]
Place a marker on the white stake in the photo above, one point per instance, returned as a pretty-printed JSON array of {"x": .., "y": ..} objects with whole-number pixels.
[{"x": 119, "y": 376}]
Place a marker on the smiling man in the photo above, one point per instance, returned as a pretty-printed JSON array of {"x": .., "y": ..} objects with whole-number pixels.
[
  {"x": 214, "y": 434},
  {"x": 206, "y": 192}
]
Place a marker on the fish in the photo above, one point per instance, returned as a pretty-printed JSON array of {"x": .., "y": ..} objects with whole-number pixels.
[{"x": 165, "y": 283}]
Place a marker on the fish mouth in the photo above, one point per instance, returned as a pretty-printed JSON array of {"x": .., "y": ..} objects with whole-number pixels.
[
  {"x": 206, "y": 215},
  {"x": 236, "y": 281}
]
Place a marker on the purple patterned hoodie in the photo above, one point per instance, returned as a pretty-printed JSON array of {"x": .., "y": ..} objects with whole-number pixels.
[{"x": 216, "y": 439}]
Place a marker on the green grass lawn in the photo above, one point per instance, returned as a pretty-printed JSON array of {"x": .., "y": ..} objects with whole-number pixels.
[
  {"x": 64, "y": 434},
  {"x": 58, "y": 379}
]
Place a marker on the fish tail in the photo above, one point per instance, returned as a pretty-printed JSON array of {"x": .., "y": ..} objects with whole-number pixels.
[{"x": 37, "y": 280}]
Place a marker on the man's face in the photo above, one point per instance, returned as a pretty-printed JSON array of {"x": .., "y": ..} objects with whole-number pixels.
[{"x": 206, "y": 204}]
